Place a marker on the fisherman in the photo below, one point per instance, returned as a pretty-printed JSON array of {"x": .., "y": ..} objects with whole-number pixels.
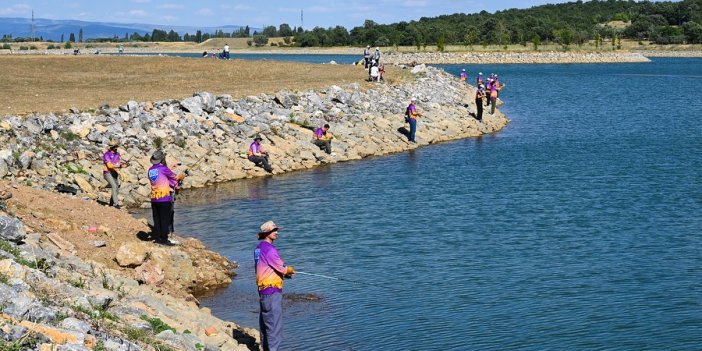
[
  {"x": 322, "y": 138},
  {"x": 376, "y": 55},
  {"x": 258, "y": 155},
  {"x": 113, "y": 162},
  {"x": 464, "y": 75},
  {"x": 479, "y": 96},
  {"x": 163, "y": 183},
  {"x": 366, "y": 56},
  {"x": 479, "y": 79},
  {"x": 226, "y": 51},
  {"x": 411, "y": 116},
  {"x": 270, "y": 272},
  {"x": 494, "y": 91}
]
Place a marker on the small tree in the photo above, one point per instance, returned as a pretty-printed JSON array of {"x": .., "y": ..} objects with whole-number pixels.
[
  {"x": 260, "y": 39},
  {"x": 72, "y": 38},
  {"x": 67, "y": 45},
  {"x": 536, "y": 40},
  {"x": 441, "y": 43},
  {"x": 80, "y": 35}
]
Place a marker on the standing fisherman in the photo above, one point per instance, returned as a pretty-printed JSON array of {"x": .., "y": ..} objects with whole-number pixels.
[
  {"x": 270, "y": 271},
  {"x": 479, "y": 96},
  {"x": 411, "y": 115},
  {"x": 464, "y": 75},
  {"x": 366, "y": 56},
  {"x": 163, "y": 183},
  {"x": 112, "y": 161}
]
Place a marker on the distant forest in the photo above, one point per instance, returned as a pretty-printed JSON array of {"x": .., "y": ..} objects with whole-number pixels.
[
  {"x": 566, "y": 24},
  {"x": 573, "y": 23}
]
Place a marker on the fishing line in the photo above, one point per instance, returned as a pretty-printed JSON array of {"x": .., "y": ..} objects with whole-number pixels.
[{"x": 338, "y": 279}]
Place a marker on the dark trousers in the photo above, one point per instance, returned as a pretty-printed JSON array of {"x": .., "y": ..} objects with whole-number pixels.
[
  {"x": 479, "y": 106},
  {"x": 163, "y": 219},
  {"x": 261, "y": 161},
  {"x": 413, "y": 129},
  {"x": 493, "y": 100},
  {"x": 270, "y": 320},
  {"x": 324, "y": 145}
]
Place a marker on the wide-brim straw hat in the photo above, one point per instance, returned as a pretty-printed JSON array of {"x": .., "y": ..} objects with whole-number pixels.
[
  {"x": 158, "y": 157},
  {"x": 267, "y": 228}
]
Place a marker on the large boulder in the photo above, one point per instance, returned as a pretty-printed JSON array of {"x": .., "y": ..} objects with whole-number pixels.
[
  {"x": 11, "y": 229},
  {"x": 131, "y": 254},
  {"x": 192, "y": 105}
]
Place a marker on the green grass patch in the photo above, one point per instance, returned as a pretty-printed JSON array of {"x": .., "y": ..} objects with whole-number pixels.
[{"x": 157, "y": 325}]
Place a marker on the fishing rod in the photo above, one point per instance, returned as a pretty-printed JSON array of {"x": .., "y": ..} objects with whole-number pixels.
[{"x": 338, "y": 279}]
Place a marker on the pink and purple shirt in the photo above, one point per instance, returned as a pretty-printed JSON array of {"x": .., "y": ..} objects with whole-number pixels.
[
  {"x": 463, "y": 76},
  {"x": 111, "y": 160},
  {"x": 163, "y": 180},
  {"x": 254, "y": 148},
  {"x": 270, "y": 268},
  {"x": 319, "y": 133}
]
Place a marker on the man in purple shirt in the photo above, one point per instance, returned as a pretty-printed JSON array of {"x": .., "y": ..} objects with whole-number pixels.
[
  {"x": 258, "y": 155},
  {"x": 112, "y": 162},
  {"x": 270, "y": 272},
  {"x": 411, "y": 116},
  {"x": 163, "y": 183},
  {"x": 322, "y": 138}
]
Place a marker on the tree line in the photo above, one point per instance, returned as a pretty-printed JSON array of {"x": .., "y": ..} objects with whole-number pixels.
[{"x": 568, "y": 23}]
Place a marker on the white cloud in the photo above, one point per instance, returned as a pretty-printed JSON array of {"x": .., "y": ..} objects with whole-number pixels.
[
  {"x": 415, "y": 3},
  {"x": 319, "y": 9},
  {"x": 172, "y": 6},
  {"x": 236, "y": 7},
  {"x": 141, "y": 1},
  {"x": 204, "y": 12},
  {"x": 170, "y": 18},
  {"x": 19, "y": 9},
  {"x": 137, "y": 13}
]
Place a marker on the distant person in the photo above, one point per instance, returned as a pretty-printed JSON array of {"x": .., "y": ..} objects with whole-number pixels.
[
  {"x": 479, "y": 96},
  {"x": 120, "y": 49},
  {"x": 374, "y": 73},
  {"x": 226, "y": 51},
  {"x": 270, "y": 272},
  {"x": 204, "y": 54},
  {"x": 488, "y": 90},
  {"x": 494, "y": 87},
  {"x": 411, "y": 116},
  {"x": 367, "y": 56},
  {"x": 381, "y": 72},
  {"x": 112, "y": 162},
  {"x": 479, "y": 79},
  {"x": 258, "y": 155},
  {"x": 376, "y": 55},
  {"x": 163, "y": 183},
  {"x": 463, "y": 75},
  {"x": 322, "y": 138}
]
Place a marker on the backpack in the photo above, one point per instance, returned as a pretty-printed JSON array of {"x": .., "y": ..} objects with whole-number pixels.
[{"x": 407, "y": 119}]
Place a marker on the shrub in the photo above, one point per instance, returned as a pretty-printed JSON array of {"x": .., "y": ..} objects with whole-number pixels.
[
  {"x": 157, "y": 325},
  {"x": 32, "y": 47},
  {"x": 158, "y": 142},
  {"x": 51, "y": 46},
  {"x": 67, "y": 45},
  {"x": 24, "y": 47},
  {"x": 69, "y": 136},
  {"x": 6, "y": 46}
]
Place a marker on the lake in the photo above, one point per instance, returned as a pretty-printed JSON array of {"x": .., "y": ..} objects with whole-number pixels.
[{"x": 577, "y": 227}]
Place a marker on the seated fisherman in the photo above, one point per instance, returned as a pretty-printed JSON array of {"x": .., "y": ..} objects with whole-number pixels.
[
  {"x": 322, "y": 138},
  {"x": 258, "y": 155}
]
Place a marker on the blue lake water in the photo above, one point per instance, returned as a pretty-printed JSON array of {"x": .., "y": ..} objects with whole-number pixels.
[{"x": 578, "y": 227}]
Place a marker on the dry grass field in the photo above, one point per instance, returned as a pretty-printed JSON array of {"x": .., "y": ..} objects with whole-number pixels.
[{"x": 56, "y": 83}]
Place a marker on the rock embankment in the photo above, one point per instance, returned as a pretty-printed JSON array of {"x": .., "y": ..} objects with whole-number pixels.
[
  {"x": 513, "y": 57},
  {"x": 209, "y": 134},
  {"x": 60, "y": 288}
]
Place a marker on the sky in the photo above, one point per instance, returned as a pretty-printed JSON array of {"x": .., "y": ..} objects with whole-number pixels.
[{"x": 260, "y": 13}]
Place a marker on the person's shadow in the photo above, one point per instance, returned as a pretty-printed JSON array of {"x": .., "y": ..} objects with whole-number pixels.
[{"x": 404, "y": 131}]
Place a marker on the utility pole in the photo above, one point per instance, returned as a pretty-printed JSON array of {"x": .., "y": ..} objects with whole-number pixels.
[{"x": 32, "y": 25}]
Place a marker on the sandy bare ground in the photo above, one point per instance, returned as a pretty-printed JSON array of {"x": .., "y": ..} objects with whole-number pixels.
[{"x": 55, "y": 83}]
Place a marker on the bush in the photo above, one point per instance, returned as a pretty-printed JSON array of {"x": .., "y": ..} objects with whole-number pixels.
[
  {"x": 32, "y": 47},
  {"x": 6, "y": 46},
  {"x": 23, "y": 47},
  {"x": 51, "y": 46},
  {"x": 67, "y": 45}
]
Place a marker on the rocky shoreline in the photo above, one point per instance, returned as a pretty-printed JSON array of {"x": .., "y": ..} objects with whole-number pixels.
[
  {"x": 76, "y": 275},
  {"x": 551, "y": 57},
  {"x": 46, "y": 150}
]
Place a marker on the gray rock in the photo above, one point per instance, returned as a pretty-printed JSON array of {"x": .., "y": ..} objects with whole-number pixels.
[
  {"x": 132, "y": 108},
  {"x": 34, "y": 125},
  {"x": 75, "y": 324},
  {"x": 192, "y": 105},
  {"x": 208, "y": 101},
  {"x": 11, "y": 229},
  {"x": 25, "y": 160},
  {"x": 4, "y": 170},
  {"x": 72, "y": 347}
]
